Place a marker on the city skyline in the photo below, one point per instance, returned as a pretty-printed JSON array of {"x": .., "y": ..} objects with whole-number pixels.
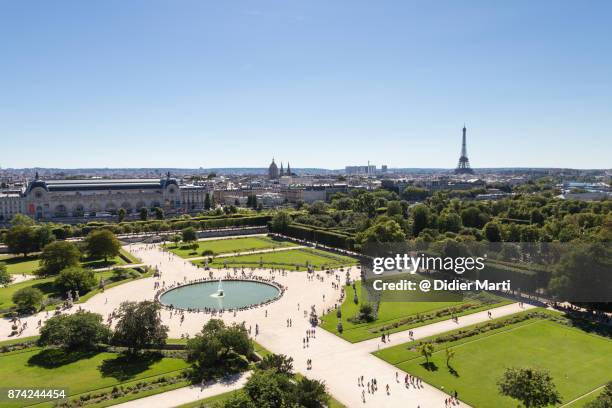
[{"x": 148, "y": 84}]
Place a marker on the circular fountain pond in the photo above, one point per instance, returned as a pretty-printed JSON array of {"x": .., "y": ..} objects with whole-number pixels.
[{"x": 227, "y": 294}]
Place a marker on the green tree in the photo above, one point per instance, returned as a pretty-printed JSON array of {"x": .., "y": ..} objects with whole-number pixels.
[
  {"x": 28, "y": 299},
  {"x": 189, "y": 234},
  {"x": 583, "y": 274},
  {"x": 534, "y": 388},
  {"x": 366, "y": 313},
  {"x": 219, "y": 350},
  {"x": 238, "y": 400},
  {"x": 449, "y": 221},
  {"x": 420, "y": 218},
  {"x": 492, "y": 232},
  {"x": 412, "y": 193},
  {"x": 159, "y": 213},
  {"x": 382, "y": 232},
  {"x": 121, "y": 214},
  {"x": 472, "y": 217},
  {"x": 311, "y": 393},
  {"x": 450, "y": 354},
  {"x": 22, "y": 220},
  {"x": 536, "y": 217},
  {"x": 343, "y": 203},
  {"x": 43, "y": 235},
  {"x": 20, "y": 239},
  {"x": 75, "y": 279},
  {"x": 5, "y": 277},
  {"x": 102, "y": 244},
  {"x": 604, "y": 400},
  {"x": 140, "y": 326},
  {"x": 268, "y": 389},
  {"x": 318, "y": 207},
  {"x": 207, "y": 203},
  {"x": 278, "y": 362},
  {"x": 280, "y": 221},
  {"x": 58, "y": 255},
  {"x": 426, "y": 350},
  {"x": 143, "y": 212},
  {"x": 81, "y": 330}
]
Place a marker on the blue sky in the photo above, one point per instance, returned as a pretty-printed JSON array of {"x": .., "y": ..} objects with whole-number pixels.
[{"x": 320, "y": 83}]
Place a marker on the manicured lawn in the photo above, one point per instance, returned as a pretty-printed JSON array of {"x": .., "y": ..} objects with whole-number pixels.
[
  {"x": 101, "y": 263},
  {"x": 18, "y": 265},
  {"x": 217, "y": 399},
  {"x": 285, "y": 259},
  {"x": 131, "y": 258},
  {"x": 18, "y": 340},
  {"x": 578, "y": 361},
  {"x": 78, "y": 372},
  {"x": 48, "y": 288},
  {"x": 585, "y": 399},
  {"x": 224, "y": 246},
  {"x": 389, "y": 313}
]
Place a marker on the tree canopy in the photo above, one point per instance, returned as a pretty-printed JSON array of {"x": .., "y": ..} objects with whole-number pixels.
[
  {"x": 81, "y": 330},
  {"x": 140, "y": 326},
  {"x": 534, "y": 388},
  {"x": 219, "y": 350},
  {"x": 58, "y": 255},
  {"x": 102, "y": 244}
]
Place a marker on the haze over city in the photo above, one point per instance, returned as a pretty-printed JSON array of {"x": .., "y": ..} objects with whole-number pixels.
[{"x": 321, "y": 84}]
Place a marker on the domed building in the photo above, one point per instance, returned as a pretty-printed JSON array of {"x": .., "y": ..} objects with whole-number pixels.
[{"x": 273, "y": 173}]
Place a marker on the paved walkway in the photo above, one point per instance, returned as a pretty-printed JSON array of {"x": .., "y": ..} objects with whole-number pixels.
[
  {"x": 22, "y": 277},
  {"x": 335, "y": 361},
  {"x": 186, "y": 395}
]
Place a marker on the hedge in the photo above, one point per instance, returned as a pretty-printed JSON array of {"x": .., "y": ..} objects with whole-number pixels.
[{"x": 320, "y": 235}]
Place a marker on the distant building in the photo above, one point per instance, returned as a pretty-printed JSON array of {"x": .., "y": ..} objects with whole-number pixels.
[
  {"x": 360, "y": 170},
  {"x": 322, "y": 192},
  {"x": 273, "y": 173},
  {"x": 77, "y": 199}
]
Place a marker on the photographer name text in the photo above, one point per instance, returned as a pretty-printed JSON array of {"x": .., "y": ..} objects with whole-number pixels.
[{"x": 439, "y": 284}]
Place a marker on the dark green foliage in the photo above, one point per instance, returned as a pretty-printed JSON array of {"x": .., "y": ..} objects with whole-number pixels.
[
  {"x": 219, "y": 350},
  {"x": 280, "y": 221},
  {"x": 270, "y": 389},
  {"x": 57, "y": 256},
  {"x": 278, "y": 362},
  {"x": 28, "y": 299},
  {"x": 583, "y": 274},
  {"x": 604, "y": 400},
  {"x": 189, "y": 234},
  {"x": 75, "y": 279},
  {"x": 102, "y": 244},
  {"x": 140, "y": 326},
  {"x": 534, "y": 388},
  {"x": 5, "y": 277},
  {"x": 384, "y": 231},
  {"x": 311, "y": 393},
  {"x": 82, "y": 330}
]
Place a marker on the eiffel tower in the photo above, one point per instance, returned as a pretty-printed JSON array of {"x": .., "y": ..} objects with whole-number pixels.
[{"x": 463, "y": 167}]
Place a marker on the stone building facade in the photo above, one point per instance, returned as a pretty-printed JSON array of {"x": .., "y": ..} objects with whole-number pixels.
[{"x": 56, "y": 199}]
